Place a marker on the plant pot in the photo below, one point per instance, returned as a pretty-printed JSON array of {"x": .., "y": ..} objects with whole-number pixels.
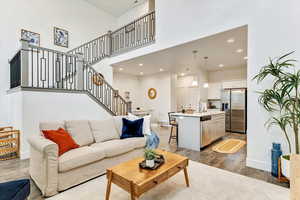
[
  {"x": 295, "y": 177},
  {"x": 285, "y": 166},
  {"x": 150, "y": 163}
]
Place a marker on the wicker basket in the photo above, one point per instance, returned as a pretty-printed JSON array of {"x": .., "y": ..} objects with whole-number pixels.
[{"x": 9, "y": 143}]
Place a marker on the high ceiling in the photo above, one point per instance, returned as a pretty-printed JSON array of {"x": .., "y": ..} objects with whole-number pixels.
[
  {"x": 115, "y": 7},
  {"x": 183, "y": 59}
]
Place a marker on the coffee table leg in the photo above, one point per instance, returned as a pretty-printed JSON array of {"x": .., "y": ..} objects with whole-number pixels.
[
  {"x": 186, "y": 177},
  {"x": 108, "y": 187},
  {"x": 132, "y": 191}
]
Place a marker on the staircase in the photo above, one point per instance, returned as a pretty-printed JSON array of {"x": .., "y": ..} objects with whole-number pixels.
[{"x": 43, "y": 69}]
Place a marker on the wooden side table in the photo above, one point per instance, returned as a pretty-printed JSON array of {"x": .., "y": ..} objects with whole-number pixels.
[
  {"x": 9, "y": 143},
  {"x": 136, "y": 181}
]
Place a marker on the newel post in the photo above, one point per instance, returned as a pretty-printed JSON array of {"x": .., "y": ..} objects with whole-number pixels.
[
  {"x": 24, "y": 63},
  {"x": 110, "y": 43},
  {"x": 129, "y": 107},
  {"x": 80, "y": 71}
]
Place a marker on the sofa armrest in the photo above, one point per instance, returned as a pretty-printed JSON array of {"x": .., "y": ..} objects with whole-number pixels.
[
  {"x": 43, "y": 145},
  {"x": 44, "y": 164}
]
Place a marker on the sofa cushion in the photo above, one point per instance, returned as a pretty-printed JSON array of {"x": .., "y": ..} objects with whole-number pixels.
[
  {"x": 119, "y": 123},
  {"x": 117, "y": 147},
  {"x": 80, "y": 131},
  {"x": 51, "y": 126},
  {"x": 79, "y": 157},
  {"x": 137, "y": 142},
  {"x": 104, "y": 130}
]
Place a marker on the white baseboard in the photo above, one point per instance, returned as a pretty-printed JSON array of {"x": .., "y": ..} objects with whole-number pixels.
[{"x": 257, "y": 164}]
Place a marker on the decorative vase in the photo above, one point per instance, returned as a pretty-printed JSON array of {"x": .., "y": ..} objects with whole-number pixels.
[
  {"x": 276, "y": 153},
  {"x": 285, "y": 166},
  {"x": 150, "y": 163},
  {"x": 295, "y": 177}
]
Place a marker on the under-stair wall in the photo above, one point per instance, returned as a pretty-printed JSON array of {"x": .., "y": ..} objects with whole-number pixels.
[{"x": 28, "y": 108}]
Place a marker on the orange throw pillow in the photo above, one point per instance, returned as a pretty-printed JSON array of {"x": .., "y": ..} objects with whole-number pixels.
[{"x": 62, "y": 138}]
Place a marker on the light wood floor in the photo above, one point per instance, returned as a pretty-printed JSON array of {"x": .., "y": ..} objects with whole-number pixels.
[{"x": 16, "y": 169}]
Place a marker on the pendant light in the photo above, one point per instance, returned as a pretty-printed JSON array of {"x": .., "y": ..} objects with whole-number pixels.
[
  {"x": 205, "y": 85},
  {"x": 195, "y": 79}
]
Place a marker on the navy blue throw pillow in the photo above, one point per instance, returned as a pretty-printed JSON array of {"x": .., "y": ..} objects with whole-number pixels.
[{"x": 132, "y": 128}]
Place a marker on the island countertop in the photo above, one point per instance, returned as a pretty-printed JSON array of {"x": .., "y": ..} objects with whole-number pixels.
[{"x": 202, "y": 114}]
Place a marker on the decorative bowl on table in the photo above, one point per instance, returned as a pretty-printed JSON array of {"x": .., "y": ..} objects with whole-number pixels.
[{"x": 158, "y": 161}]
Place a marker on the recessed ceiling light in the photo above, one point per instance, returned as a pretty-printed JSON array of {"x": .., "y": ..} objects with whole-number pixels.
[
  {"x": 121, "y": 69},
  {"x": 182, "y": 74},
  {"x": 221, "y": 65},
  {"x": 141, "y": 73},
  {"x": 230, "y": 40},
  {"x": 246, "y": 58},
  {"x": 239, "y": 50},
  {"x": 161, "y": 69},
  {"x": 141, "y": 64}
]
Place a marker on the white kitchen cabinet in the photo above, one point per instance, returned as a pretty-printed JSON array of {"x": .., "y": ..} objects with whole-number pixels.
[
  {"x": 214, "y": 91},
  {"x": 235, "y": 84}
]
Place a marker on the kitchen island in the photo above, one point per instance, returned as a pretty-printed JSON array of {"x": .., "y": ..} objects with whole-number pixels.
[{"x": 198, "y": 130}]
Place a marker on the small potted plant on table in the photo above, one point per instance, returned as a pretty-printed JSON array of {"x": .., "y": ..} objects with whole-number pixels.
[
  {"x": 282, "y": 101},
  {"x": 150, "y": 156}
]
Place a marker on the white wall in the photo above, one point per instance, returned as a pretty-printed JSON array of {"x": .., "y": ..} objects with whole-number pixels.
[
  {"x": 231, "y": 74},
  {"x": 267, "y": 40},
  {"x": 83, "y": 21},
  {"x": 138, "y": 88},
  {"x": 134, "y": 13},
  {"x": 161, "y": 105},
  {"x": 268, "y": 35},
  {"x": 128, "y": 83},
  {"x": 31, "y": 108}
]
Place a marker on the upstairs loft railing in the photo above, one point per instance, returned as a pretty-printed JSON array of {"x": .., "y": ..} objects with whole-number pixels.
[
  {"x": 41, "y": 68},
  {"x": 36, "y": 67},
  {"x": 139, "y": 33},
  {"x": 95, "y": 50}
]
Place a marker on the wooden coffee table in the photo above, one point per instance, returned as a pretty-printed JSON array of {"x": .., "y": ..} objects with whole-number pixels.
[{"x": 136, "y": 181}]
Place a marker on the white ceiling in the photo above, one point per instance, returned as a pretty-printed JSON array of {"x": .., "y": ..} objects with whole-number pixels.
[
  {"x": 115, "y": 7},
  {"x": 180, "y": 58}
]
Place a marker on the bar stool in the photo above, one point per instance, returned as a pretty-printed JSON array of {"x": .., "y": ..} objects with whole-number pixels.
[{"x": 174, "y": 124}]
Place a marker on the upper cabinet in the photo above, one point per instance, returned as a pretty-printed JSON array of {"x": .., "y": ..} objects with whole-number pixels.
[
  {"x": 214, "y": 90},
  {"x": 235, "y": 84}
]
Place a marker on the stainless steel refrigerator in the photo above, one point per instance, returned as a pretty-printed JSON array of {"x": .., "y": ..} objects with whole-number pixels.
[{"x": 234, "y": 103}]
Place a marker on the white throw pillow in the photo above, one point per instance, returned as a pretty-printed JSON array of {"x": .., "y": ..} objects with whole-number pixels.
[
  {"x": 146, "y": 124},
  {"x": 119, "y": 123},
  {"x": 104, "y": 130}
]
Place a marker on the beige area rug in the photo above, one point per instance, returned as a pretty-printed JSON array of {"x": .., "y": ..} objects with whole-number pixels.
[
  {"x": 207, "y": 183},
  {"x": 229, "y": 146}
]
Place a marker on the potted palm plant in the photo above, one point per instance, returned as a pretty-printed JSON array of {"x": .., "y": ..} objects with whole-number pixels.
[{"x": 282, "y": 101}]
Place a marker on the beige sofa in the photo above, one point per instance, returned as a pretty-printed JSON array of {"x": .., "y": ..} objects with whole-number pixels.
[{"x": 100, "y": 148}]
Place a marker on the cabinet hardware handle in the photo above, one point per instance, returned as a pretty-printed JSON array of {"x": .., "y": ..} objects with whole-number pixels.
[{"x": 156, "y": 182}]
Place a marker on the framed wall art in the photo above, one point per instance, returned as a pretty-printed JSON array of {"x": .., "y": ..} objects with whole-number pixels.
[
  {"x": 61, "y": 37},
  {"x": 32, "y": 37}
]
